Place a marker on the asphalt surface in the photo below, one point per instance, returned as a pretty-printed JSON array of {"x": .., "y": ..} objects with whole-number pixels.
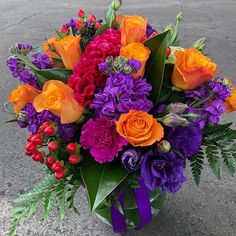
[{"x": 207, "y": 210}]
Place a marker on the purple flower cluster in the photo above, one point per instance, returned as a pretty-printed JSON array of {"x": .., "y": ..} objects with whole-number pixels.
[
  {"x": 41, "y": 60},
  {"x": 23, "y": 49},
  {"x": 34, "y": 120},
  {"x": 71, "y": 24},
  {"x": 165, "y": 170},
  {"x": 121, "y": 94},
  {"x": 214, "y": 94},
  {"x": 150, "y": 30},
  {"x": 19, "y": 71}
]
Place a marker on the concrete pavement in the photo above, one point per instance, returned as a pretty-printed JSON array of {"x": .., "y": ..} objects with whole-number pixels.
[{"x": 207, "y": 210}]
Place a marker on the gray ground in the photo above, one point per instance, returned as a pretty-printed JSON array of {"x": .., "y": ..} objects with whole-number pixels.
[{"x": 207, "y": 210}]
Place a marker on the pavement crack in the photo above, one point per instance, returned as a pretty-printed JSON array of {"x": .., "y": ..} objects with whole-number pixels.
[{"x": 21, "y": 21}]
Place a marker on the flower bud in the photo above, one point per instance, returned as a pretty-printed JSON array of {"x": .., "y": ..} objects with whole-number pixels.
[
  {"x": 200, "y": 44},
  {"x": 92, "y": 18},
  {"x": 116, "y": 4},
  {"x": 81, "y": 13},
  {"x": 163, "y": 146},
  {"x": 131, "y": 160},
  {"x": 177, "y": 108},
  {"x": 22, "y": 119},
  {"x": 173, "y": 120}
]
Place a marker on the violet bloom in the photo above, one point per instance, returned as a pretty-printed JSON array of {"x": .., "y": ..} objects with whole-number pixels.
[
  {"x": 165, "y": 170},
  {"x": 150, "y": 30},
  {"x": 33, "y": 120},
  {"x": 186, "y": 140},
  {"x": 121, "y": 94},
  {"x": 41, "y": 60},
  {"x": 19, "y": 71},
  {"x": 101, "y": 137},
  {"x": 131, "y": 160}
]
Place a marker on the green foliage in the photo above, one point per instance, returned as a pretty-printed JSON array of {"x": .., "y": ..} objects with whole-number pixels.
[
  {"x": 101, "y": 179},
  {"x": 200, "y": 44},
  {"x": 197, "y": 166},
  {"x": 52, "y": 74},
  {"x": 174, "y": 31},
  {"x": 48, "y": 192},
  {"x": 218, "y": 146},
  {"x": 155, "y": 66}
]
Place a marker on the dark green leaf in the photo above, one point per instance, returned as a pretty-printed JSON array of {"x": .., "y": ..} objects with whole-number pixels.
[
  {"x": 52, "y": 74},
  {"x": 60, "y": 34},
  {"x": 213, "y": 161},
  {"x": 197, "y": 166},
  {"x": 154, "y": 71},
  {"x": 101, "y": 180}
]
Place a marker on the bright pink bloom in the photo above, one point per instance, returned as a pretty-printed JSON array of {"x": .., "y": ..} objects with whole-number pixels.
[{"x": 101, "y": 137}]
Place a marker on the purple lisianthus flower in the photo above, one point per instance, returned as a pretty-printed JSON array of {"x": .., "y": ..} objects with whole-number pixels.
[
  {"x": 121, "y": 94},
  {"x": 150, "y": 30},
  {"x": 165, "y": 170},
  {"x": 131, "y": 160},
  {"x": 41, "y": 60},
  {"x": 101, "y": 137},
  {"x": 185, "y": 139}
]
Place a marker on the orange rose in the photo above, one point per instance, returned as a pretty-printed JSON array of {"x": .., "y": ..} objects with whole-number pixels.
[
  {"x": 69, "y": 49},
  {"x": 136, "y": 51},
  {"x": 133, "y": 29},
  {"x": 22, "y": 95},
  {"x": 231, "y": 101},
  {"x": 46, "y": 47},
  {"x": 192, "y": 68},
  {"x": 58, "y": 98},
  {"x": 139, "y": 128}
]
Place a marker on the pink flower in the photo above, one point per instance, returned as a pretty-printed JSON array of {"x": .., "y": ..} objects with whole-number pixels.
[{"x": 101, "y": 137}]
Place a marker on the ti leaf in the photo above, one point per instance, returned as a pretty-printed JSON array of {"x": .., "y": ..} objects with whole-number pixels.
[
  {"x": 101, "y": 180},
  {"x": 155, "y": 66},
  {"x": 52, "y": 74}
]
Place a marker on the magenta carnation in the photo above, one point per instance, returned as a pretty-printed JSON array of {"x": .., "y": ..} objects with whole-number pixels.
[{"x": 101, "y": 138}]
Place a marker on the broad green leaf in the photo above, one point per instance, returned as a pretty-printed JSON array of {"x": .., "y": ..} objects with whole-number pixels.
[
  {"x": 156, "y": 63},
  {"x": 60, "y": 34},
  {"x": 101, "y": 179},
  {"x": 52, "y": 74}
]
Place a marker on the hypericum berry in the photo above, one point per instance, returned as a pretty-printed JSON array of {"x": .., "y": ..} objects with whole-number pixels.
[
  {"x": 30, "y": 147},
  {"x": 56, "y": 166},
  {"x": 92, "y": 18},
  {"x": 37, "y": 156},
  {"x": 27, "y": 153},
  {"x": 43, "y": 126},
  {"x": 79, "y": 25},
  {"x": 49, "y": 161},
  {"x": 81, "y": 13},
  {"x": 74, "y": 159},
  {"x": 168, "y": 52},
  {"x": 29, "y": 137},
  {"x": 64, "y": 29},
  {"x": 60, "y": 175},
  {"x": 71, "y": 147},
  {"x": 97, "y": 25},
  {"x": 49, "y": 130},
  {"x": 37, "y": 139},
  {"x": 53, "y": 146}
]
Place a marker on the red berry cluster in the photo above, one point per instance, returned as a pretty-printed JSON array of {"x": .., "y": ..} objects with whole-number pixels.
[{"x": 46, "y": 136}]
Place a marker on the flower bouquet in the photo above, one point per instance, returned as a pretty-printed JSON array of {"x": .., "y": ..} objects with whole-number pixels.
[{"x": 117, "y": 109}]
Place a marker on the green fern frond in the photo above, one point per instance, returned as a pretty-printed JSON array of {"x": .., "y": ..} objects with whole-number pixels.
[{"x": 197, "y": 166}]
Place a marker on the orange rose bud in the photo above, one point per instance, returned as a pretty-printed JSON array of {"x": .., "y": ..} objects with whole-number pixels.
[
  {"x": 58, "y": 98},
  {"x": 139, "y": 128},
  {"x": 133, "y": 29},
  {"x": 69, "y": 49},
  {"x": 139, "y": 52},
  {"x": 22, "y": 95},
  {"x": 231, "y": 101},
  {"x": 46, "y": 47},
  {"x": 192, "y": 68}
]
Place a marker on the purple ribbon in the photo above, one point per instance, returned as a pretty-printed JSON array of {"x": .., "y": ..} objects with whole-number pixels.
[{"x": 143, "y": 205}]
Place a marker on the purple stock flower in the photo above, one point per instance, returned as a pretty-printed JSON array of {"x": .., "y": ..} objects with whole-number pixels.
[
  {"x": 131, "y": 160},
  {"x": 215, "y": 92},
  {"x": 19, "y": 71},
  {"x": 185, "y": 139},
  {"x": 35, "y": 120},
  {"x": 121, "y": 94},
  {"x": 135, "y": 64},
  {"x": 71, "y": 24},
  {"x": 41, "y": 60},
  {"x": 165, "y": 170}
]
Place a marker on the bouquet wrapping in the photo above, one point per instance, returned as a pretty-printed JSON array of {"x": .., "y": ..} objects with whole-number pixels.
[{"x": 118, "y": 109}]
